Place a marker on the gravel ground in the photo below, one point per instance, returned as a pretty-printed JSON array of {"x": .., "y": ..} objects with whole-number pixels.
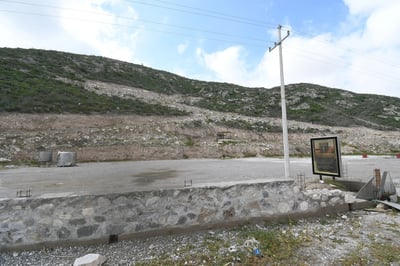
[{"x": 353, "y": 238}]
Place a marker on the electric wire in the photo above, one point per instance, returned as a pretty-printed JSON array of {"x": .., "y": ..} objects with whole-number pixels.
[
  {"x": 198, "y": 30},
  {"x": 340, "y": 62},
  {"x": 350, "y": 50},
  {"x": 256, "y": 42},
  {"x": 260, "y": 23},
  {"x": 204, "y": 12},
  {"x": 245, "y": 40}
]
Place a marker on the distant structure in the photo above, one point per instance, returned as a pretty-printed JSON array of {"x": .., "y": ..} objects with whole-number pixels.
[
  {"x": 66, "y": 158},
  {"x": 224, "y": 136}
]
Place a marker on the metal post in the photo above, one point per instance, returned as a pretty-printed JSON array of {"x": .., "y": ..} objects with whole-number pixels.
[{"x": 378, "y": 182}]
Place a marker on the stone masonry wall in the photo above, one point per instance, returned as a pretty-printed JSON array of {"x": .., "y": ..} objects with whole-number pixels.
[{"x": 31, "y": 221}]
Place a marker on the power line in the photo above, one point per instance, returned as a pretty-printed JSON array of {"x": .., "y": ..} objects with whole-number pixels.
[
  {"x": 328, "y": 60},
  {"x": 205, "y": 13},
  {"x": 188, "y": 31},
  {"x": 259, "y": 40},
  {"x": 348, "y": 49},
  {"x": 200, "y": 12},
  {"x": 184, "y": 9}
]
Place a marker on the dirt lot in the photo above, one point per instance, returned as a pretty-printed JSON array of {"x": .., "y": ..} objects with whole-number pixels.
[
  {"x": 132, "y": 137},
  {"x": 109, "y": 138}
]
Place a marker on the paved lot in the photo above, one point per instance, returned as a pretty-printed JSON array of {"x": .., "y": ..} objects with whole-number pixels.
[{"x": 98, "y": 178}]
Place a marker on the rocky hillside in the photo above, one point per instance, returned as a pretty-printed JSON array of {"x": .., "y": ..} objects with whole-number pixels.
[{"x": 111, "y": 110}]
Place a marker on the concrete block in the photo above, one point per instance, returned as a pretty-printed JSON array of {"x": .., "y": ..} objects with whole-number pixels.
[{"x": 90, "y": 260}]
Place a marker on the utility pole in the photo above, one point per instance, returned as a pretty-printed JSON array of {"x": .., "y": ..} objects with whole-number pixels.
[{"x": 283, "y": 102}]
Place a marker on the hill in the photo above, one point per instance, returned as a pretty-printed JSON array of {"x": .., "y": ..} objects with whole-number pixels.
[
  {"x": 76, "y": 88},
  {"x": 38, "y": 81}
]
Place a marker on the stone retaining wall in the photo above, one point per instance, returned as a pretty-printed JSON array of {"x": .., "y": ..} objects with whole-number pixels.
[{"x": 34, "y": 221}]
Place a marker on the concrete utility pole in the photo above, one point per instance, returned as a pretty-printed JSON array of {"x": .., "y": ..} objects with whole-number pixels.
[{"x": 283, "y": 102}]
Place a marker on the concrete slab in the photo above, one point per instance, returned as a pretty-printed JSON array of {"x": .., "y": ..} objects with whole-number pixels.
[
  {"x": 116, "y": 177},
  {"x": 390, "y": 204}
]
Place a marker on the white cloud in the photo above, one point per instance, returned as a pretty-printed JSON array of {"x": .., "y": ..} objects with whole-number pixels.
[
  {"x": 80, "y": 26},
  {"x": 182, "y": 48},
  {"x": 382, "y": 26},
  {"x": 228, "y": 64},
  {"x": 100, "y": 29},
  {"x": 21, "y": 27},
  {"x": 365, "y": 7},
  {"x": 315, "y": 58},
  {"x": 364, "y": 60}
]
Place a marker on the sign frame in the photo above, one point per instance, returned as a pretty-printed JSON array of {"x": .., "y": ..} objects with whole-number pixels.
[{"x": 325, "y": 155}]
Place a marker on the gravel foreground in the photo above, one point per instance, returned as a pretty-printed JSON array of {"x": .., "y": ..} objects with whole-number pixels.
[{"x": 355, "y": 238}]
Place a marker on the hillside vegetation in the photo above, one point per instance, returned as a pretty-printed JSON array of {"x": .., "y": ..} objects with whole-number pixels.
[
  {"x": 111, "y": 110},
  {"x": 39, "y": 81}
]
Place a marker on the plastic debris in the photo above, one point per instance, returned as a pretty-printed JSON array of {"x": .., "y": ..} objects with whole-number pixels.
[
  {"x": 251, "y": 243},
  {"x": 257, "y": 252},
  {"x": 232, "y": 249}
]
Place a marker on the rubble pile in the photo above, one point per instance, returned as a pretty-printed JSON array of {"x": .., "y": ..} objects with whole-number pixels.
[{"x": 132, "y": 137}]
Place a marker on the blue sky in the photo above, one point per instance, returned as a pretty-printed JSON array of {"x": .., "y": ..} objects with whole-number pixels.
[{"x": 347, "y": 44}]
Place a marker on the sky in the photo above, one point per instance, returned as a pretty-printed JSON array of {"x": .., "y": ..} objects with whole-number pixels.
[{"x": 347, "y": 44}]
